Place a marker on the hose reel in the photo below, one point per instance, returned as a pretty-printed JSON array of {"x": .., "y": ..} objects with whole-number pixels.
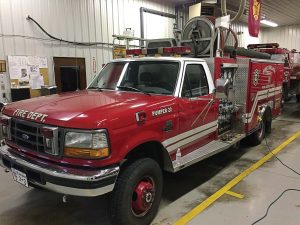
[{"x": 198, "y": 34}]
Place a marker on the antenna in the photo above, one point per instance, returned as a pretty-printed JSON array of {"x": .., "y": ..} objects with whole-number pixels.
[{"x": 76, "y": 68}]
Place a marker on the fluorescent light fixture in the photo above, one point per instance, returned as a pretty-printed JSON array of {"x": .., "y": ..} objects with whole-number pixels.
[
  {"x": 210, "y": 1},
  {"x": 269, "y": 23}
]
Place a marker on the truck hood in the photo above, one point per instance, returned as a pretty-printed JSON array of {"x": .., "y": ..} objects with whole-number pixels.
[{"x": 88, "y": 109}]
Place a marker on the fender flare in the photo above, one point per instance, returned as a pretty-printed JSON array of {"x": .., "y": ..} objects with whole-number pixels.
[{"x": 152, "y": 137}]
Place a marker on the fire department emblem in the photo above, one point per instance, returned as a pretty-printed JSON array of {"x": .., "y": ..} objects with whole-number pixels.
[
  {"x": 256, "y": 77},
  {"x": 256, "y": 9},
  {"x": 269, "y": 70}
]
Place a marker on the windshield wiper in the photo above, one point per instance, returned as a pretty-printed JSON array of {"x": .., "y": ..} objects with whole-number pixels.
[
  {"x": 100, "y": 88},
  {"x": 132, "y": 89}
]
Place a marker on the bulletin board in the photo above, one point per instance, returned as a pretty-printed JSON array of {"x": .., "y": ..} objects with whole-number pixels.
[
  {"x": 2, "y": 66},
  {"x": 28, "y": 71}
]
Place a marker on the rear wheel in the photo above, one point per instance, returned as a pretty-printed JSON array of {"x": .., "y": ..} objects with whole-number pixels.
[
  {"x": 137, "y": 193},
  {"x": 257, "y": 136},
  {"x": 285, "y": 92}
]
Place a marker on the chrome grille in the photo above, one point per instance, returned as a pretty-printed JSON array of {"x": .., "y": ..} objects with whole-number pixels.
[{"x": 27, "y": 135}]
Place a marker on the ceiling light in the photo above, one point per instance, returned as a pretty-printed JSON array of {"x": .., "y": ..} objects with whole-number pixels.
[
  {"x": 210, "y": 1},
  {"x": 269, "y": 23}
]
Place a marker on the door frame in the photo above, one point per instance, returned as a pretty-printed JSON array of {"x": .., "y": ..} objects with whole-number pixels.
[{"x": 69, "y": 61}]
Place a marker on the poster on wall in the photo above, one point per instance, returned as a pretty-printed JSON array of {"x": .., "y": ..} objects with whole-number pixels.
[
  {"x": 4, "y": 87},
  {"x": 25, "y": 71}
]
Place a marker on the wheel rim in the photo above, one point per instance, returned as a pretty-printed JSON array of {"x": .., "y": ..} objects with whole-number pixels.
[
  {"x": 261, "y": 130},
  {"x": 143, "y": 197}
]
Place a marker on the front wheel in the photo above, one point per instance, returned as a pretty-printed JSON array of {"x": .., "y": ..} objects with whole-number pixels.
[{"x": 137, "y": 193}]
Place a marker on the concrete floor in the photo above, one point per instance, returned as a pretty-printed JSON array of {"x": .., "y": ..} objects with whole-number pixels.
[{"x": 27, "y": 206}]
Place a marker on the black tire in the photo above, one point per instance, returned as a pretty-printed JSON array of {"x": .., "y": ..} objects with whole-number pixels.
[
  {"x": 124, "y": 200},
  {"x": 257, "y": 136},
  {"x": 285, "y": 93}
]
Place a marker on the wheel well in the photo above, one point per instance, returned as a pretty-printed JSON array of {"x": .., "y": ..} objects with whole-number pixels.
[{"x": 153, "y": 150}]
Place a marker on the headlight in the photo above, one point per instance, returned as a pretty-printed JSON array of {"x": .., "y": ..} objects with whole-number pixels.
[{"x": 86, "y": 145}]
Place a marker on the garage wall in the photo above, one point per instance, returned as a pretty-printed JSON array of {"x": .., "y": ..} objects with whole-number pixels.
[
  {"x": 243, "y": 35},
  {"x": 287, "y": 36},
  {"x": 75, "y": 20}
]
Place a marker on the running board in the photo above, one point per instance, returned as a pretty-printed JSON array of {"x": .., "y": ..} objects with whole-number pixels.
[{"x": 204, "y": 152}]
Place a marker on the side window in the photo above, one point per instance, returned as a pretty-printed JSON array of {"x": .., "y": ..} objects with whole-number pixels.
[{"x": 195, "y": 81}]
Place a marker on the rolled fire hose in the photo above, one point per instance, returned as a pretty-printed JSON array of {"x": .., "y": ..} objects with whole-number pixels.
[{"x": 239, "y": 13}]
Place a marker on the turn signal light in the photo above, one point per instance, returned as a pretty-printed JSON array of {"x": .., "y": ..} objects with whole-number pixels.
[{"x": 86, "y": 153}]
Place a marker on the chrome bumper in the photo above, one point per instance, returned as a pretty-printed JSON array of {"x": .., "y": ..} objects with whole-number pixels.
[{"x": 68, "y": 181}]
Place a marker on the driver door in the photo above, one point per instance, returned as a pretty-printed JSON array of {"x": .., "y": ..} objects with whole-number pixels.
[{"x": 198, "y": 111}]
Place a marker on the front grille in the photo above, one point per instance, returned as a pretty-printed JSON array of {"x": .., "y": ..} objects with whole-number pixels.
[{"x": 27, "y": 135}]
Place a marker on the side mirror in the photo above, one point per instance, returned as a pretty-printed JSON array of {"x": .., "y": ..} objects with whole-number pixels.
[
  {"x": 222, "y": 88},
  {"x": 2, "y": 104}
]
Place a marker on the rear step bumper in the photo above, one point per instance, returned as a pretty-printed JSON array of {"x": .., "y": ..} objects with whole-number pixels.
[{"x": 65, "y": 180}]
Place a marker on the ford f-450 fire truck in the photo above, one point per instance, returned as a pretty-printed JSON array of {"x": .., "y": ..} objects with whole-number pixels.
[{"x": 137, "y": 118}]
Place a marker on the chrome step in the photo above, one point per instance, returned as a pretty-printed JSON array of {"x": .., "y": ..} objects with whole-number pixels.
[{"x": 204, "y": 152}]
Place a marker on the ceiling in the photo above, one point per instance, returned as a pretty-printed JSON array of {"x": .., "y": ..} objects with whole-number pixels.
[{"x": 282, "y": 12}]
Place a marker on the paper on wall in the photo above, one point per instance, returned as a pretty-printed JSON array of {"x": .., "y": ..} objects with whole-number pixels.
[
  {"x": 26, "y": 69},
  {"x": 15, "y": 72},
  {"x": 33, "y": 60},
  {"x": 36, "y": 81},
  {"x": 43, "y": 62},
  {"x": 18, "y": 61}
]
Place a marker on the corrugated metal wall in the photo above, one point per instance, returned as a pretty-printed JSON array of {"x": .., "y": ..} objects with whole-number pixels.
[
  {"x": 243, "y": 35},
  {"x": 287, "y": 36},
  {"x": 75, "y": 20}
]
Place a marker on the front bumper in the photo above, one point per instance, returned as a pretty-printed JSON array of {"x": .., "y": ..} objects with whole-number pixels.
[{"x": 69, "y": 181}]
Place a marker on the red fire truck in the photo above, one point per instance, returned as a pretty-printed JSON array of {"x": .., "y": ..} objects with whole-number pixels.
[
  {"x": 138, "y": 117},
  {"x": 290, "y": 58},
  {"x": 141, "y": 116}
]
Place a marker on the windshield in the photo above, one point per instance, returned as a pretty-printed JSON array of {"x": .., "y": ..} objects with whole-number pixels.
[
  {"x": 279, "y": 57},
  {"x": 157, "y": 77}
]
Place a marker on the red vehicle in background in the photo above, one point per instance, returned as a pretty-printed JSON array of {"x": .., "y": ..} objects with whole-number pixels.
[{"x": 291, "y": 59}]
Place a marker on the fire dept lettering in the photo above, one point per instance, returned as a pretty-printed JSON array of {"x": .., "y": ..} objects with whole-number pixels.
[
  {"x": 161, "y": 111},
  {"x": 30, "y": 115}
]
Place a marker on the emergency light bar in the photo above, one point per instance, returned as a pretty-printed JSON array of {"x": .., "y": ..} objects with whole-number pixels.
[
  {"x": 181, "y": 50},
  {"x": 267, "y": 45}
]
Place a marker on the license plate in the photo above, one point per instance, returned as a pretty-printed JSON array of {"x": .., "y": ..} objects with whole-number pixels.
[{"x": 19, "y": 177}]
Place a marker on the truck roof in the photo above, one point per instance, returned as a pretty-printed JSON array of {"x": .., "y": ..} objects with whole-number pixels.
[{"x": 162, "y": 58}]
